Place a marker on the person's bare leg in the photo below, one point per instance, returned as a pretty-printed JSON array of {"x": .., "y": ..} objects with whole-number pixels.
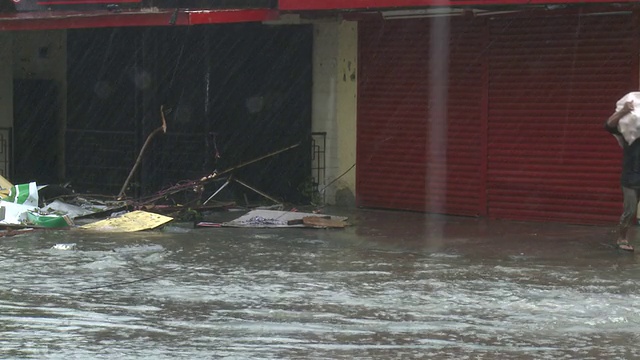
[{"x": 630, "y": 205}]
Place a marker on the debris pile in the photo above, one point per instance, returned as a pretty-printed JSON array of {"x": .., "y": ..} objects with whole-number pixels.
[
  {"x": 19, "y": 207},
  {"x": 23, "y": 208}
]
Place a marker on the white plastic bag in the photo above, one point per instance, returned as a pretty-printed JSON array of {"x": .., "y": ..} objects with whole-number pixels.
[{"x": 629, "y": 125}]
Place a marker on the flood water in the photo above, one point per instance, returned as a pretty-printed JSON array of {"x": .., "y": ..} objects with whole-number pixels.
[{"x": 393, "y": 286}]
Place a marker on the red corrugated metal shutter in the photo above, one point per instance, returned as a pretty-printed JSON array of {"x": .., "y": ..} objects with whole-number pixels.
[
  {"x": 418, "y": 134},
  {"x": 553, "y": 82}
]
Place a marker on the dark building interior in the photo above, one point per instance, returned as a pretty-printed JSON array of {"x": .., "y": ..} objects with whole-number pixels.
[{"x": 230, "y": 94}]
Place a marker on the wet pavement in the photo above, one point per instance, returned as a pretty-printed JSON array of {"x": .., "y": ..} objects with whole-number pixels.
[{"x": 394, "y": 285}]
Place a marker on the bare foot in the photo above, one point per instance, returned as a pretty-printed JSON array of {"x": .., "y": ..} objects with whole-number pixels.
[{"x": 624, "y": 245}]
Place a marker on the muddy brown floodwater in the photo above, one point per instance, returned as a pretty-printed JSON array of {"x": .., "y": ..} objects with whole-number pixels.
[{"x": 393, "y": 286}]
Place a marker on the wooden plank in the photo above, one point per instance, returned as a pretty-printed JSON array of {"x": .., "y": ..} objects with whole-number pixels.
[{"x": 323, "y": 221}]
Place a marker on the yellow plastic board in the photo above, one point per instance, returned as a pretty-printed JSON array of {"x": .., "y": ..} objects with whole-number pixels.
[
  {"x": 129, "y": 222},
  {"x": 5, "y": 186}
]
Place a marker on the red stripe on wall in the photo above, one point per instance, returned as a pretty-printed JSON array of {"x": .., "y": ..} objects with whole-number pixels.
[{"x": 82, "y": 2}]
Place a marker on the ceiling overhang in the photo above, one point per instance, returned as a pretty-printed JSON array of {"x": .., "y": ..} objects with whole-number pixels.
[{"x": 314, "y": 5}]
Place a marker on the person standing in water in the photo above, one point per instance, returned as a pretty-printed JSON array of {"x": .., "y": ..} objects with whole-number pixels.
[{"x": 630, "y": 177}]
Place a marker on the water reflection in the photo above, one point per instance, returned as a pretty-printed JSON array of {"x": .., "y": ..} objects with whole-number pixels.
[{"x": 379, "y": 289}]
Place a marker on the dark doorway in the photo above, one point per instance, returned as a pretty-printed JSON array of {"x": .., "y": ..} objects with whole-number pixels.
[
  {"x": 35, "y": 132},
  {"x": 261, "y": 103},
  {"x": 237, "y": 92}
]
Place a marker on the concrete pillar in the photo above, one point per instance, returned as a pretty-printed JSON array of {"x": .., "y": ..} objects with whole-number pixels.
[
  {"x": 334, "y": 105},
  {"x": 347, "y": 112},
  {"x": 323, "y": 113}
]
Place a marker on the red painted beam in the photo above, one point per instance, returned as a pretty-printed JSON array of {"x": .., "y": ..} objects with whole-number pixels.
[
  {"x": 52, "y": 20},
  {"x": 231, "y": 16},
  {"x": 57, "y": 20},
  {"x": 304, "y": 5},
  {"x": 76, "y": 2}
]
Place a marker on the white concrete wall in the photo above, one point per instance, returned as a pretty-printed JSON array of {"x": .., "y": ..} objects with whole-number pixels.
[
  {"x": 324, "y": 94},
  {"x": 334, "y": 105},
  {"x": 347, "y": 111},
  {"x": 30, "y": 61}
]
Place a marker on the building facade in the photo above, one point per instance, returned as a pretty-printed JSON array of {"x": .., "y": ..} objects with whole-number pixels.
[{"x": 486, "y": 108}]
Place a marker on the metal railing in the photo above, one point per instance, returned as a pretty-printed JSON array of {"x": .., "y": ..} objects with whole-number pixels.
[{"x": 318, "y": 160}]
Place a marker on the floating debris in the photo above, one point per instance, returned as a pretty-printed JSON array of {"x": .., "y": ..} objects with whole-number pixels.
[
  {"x": 129, "y": 222},
  {"x": 283, "y": 219},
  {"x": 259, "y": 221},
  {"x": 72, "y": 211},
  {"x": 48, "y": 221},
  {"x": 66, "y": 247}
]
